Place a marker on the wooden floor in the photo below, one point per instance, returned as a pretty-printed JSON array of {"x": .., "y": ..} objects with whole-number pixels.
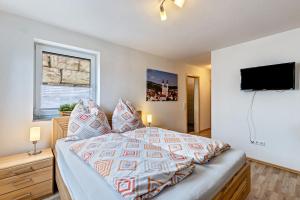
[
  {"x": 204, "y": 133},
  {"x": 269, "y": 183}
]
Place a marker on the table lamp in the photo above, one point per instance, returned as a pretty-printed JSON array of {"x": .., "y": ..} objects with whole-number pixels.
[
  {"x": 149, "y": 119},
  {"x": 35, "y": 136}
]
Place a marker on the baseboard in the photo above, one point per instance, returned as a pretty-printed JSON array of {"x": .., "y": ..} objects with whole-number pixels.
[{"x": 273, "y": 165}]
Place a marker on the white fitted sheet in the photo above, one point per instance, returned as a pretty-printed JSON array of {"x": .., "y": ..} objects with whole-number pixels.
[{"x": 84, "y": 183}]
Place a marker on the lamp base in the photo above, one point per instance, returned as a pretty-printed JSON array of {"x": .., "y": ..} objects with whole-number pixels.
[{"x": 32, "y": 153}]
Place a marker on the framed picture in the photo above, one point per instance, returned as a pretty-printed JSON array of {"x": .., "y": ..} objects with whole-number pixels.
[{"x": 161, "y": 86}]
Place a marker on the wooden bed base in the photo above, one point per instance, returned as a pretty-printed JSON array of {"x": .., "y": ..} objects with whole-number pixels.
[{"x": 237, "y": 188}]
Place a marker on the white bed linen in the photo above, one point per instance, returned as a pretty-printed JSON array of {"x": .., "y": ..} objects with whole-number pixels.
[{"x": 84, "y": 183}]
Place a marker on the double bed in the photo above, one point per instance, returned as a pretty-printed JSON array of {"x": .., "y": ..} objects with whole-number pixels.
[{"x": 224, "y": 177}]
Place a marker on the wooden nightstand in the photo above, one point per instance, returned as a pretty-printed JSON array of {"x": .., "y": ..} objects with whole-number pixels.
[{"x": 26, "y": 177}]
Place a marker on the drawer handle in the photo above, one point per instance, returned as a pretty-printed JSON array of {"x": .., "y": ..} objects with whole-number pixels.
[
  {"x": 23, "y": 171},
  {"x": 24, "y": 181},
  {"x": 24, "y": 196}
]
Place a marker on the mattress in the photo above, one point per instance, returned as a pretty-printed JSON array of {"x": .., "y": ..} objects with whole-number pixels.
[{"x": 84, "y": 183}]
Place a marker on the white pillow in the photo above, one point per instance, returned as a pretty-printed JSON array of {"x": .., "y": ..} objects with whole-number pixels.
[
  {"x": 86, "y": 122},
  {"x": 125, "y": 118}
]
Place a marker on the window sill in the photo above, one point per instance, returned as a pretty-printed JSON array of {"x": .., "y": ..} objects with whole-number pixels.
[{"x": 44, "y": 117}]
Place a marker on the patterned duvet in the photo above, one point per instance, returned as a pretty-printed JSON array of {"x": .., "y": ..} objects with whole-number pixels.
[
  {"x": 134, "y": 168},
  {"x": 199, "y": 148}
]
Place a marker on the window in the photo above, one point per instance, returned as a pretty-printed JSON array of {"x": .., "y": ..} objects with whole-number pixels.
[{"x": 62, "y": 75}]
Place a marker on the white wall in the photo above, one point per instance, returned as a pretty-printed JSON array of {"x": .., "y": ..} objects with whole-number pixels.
[
  {"x": 123, "y": 74},
  {"x": 276, "y": 114}
]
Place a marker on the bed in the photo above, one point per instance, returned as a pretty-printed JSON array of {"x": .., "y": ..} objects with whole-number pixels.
[{"x": 225, "y": 177}]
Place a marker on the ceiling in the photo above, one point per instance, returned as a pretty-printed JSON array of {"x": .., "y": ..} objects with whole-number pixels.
[{"x": 188, "y": 35}]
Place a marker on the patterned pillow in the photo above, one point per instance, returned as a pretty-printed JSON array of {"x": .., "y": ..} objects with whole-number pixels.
[
  {"x": 87, "y": 122},
  {"x": 126, "y": 118}
]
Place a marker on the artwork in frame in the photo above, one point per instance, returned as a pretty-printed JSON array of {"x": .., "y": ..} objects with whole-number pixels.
[{"x": 161, "y": 86}]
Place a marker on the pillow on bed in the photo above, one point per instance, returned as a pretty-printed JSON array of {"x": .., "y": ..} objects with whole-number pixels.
[
  {"x": 125, "y": 118},
  {"x": 86, "y": 122}
]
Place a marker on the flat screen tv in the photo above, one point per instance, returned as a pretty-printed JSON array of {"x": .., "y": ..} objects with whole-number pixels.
[{"x": 271, "y": 77}]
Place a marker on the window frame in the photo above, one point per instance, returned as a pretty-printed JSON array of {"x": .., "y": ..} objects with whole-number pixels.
[{"x": 50, "y": 47}]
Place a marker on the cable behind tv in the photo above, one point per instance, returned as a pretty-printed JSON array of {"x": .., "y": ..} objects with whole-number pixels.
[{"x": 250, "y": 120}]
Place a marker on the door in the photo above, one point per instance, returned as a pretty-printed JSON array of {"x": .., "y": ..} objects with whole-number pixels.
[{"x": 193, "y": 104}]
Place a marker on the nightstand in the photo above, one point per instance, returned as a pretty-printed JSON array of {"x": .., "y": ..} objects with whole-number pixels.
[{"x": 26, "y": 177}]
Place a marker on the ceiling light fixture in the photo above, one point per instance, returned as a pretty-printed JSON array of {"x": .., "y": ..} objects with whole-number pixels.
[
  {"x": 179, "y": 3},
  {"x": 163, "y": 14}
]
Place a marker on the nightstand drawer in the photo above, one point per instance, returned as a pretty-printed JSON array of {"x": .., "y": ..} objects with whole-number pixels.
[
  {"x": 29, "y": 193},
  {"x": 28, "y": 179},
  {"x": 26, "y": 168}
]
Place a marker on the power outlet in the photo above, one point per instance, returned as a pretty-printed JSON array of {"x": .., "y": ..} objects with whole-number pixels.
[{"x": 259, "y": 143}]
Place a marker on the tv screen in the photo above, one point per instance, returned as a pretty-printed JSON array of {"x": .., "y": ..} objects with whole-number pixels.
[{"x": 271, "y": 77}]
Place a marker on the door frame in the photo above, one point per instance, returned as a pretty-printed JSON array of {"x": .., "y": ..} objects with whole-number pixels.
[{"x": 186, "y": 98}]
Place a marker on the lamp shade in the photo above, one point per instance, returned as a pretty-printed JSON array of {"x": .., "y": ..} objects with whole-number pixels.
[
  {"x": 179, "y": 3},
  {"x": 35, "y": 134},
  {"x": 149, "y": 118}
]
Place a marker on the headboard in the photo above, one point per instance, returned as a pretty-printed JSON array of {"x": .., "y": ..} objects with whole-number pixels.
[{"x": 60, "y": 127}]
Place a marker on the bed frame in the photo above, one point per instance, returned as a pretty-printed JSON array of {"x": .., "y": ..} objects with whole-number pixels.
[{"x": 237, "y": 188}]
